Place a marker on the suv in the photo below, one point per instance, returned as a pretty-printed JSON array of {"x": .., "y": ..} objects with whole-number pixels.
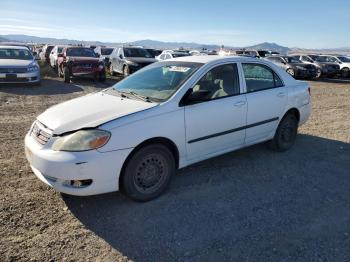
[
  {"x": 294, "y": 67},
  {"x": 127, "y": 60},
  {"x": 79, "y": 61},
  {"x": 331, "y": 66},
  {"x": 104, "y": 53}
]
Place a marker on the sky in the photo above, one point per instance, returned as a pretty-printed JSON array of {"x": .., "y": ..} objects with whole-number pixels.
[{"x": 297, "y": 23}]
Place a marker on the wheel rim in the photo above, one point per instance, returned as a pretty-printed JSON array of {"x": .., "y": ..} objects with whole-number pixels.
[
  {"x": 291, "y": 72},
  {"x": 319, "y": 72},
  {"x": 126, "y": 71},
  {"x": 151, "y": 173}
]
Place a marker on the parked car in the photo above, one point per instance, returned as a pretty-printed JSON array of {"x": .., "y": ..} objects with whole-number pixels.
[
  {"x": 265, "y": 53},
  {"x": 105, "y": 54},
  {"x": 154, "y": 52},
  {"x": 294, "y": 66},
  {"x": 18, "y": 65},
  {"x": 320, "y": 68},
  {"x": 330, "y": 66},
  {"x": 169, "y": 54},
  {"x": 45, "y": 53},
  {"x": 54, "y": 55},
  {"x": 15, "y": 44},
  {"x": 128, "y": 59},
  {"x": 80, "y": 61},
  {"x": 171, "y": 114},
  {"x": 344, "y": 65},
  {"x": 251, "y": 53}
]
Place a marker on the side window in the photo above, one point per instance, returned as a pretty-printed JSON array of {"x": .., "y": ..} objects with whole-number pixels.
[
  {"x": 259, "y": 77},
  {"x": 221, "y": 81},
  {"x": 168, "y": 56}
]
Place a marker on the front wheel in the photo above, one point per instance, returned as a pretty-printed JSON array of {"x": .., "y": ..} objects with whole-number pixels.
[
  {"x": 126, "y": 71},
  {"x": 318, "y": 73},
  {"x": 345, "y": 72},
  {"x": 285, "y": 134},
  {"x": 148, "y": 172}
]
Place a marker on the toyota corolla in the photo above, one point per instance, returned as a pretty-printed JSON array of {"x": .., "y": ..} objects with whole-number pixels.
[{"x": 171, "y": 114}]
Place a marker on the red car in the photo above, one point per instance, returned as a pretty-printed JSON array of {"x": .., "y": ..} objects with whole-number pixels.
[{"x": 80, "y": 61}]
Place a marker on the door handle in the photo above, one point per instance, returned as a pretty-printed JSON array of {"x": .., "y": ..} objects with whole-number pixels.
[
  {"x": 239, "y": 104},
  {"x": 281, "y": 94}
]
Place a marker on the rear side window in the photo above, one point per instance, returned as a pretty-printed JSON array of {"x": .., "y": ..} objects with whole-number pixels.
[{"x": 259, "y": 77}]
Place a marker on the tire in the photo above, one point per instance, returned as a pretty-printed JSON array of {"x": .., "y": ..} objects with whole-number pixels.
[
  {"x": 66, "y": 75},
  {"x": 318, "y": 73},
  {"x": 148, "y": 172},
  {"x": 126, "y": 71},
  {"x": 345, "y": 72},
  {"x": 285, "y": 134},
  {"x": 291, "y": 72},
  {"x": 59, "y": 73},
  {"x": 102, "y": 76},
  {"x": 111, "y": 70}
]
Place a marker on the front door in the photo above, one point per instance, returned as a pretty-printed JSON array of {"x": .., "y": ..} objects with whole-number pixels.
[{"x": 216, "y": 123}]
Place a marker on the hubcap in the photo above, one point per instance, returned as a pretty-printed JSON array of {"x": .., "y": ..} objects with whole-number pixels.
[{"x": 150, "y": 173}]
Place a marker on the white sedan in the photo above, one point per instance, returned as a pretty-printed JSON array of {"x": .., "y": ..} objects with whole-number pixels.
[{"x": 171, "y": 114}]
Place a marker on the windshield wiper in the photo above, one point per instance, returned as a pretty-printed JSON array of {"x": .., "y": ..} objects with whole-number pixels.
[{"x": 127, "y": 94}]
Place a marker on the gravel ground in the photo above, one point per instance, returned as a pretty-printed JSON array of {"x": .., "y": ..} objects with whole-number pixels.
[{"x": 249, "y": 205}]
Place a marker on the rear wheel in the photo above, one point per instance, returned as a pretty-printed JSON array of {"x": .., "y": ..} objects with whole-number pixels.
[
  {"x": 102, "y": 76},
  {"x": 148, "y": 172},
  {"x": 59, "y": 71},
  {"x": 66, "y": 75},
  {"x": 285, "y": 134}
]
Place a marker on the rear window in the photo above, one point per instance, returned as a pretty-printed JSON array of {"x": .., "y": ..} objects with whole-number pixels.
[
  {"x": 11, "y": 53},
  {"x": 82, "y": 52}
]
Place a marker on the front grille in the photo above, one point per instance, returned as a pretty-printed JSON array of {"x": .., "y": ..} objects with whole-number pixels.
[
  {"x": 39, "y": 134},
  {"x": 13, "y": 70},
  {"x": 15, "y": 80}
]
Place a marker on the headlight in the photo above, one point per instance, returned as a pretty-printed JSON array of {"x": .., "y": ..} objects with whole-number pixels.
[
  {"x": 131, "y": 63},
  {"x": 301, "y": 68},
  {"x": 32, "y": 67},
  {"x": 82, "y": 140}
]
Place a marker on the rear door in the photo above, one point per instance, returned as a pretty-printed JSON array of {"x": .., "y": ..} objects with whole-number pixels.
[
  {"x": 217, "y": 123},
  {"x": 267, "y": 98}
]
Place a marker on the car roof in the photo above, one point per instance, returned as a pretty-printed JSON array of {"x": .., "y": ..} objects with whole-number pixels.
[
  {"x": 14, "y": 47},
  {"x": 213, "y": 58}
]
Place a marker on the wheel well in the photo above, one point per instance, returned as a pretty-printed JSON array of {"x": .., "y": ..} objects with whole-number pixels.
[
  {"x": 293, "y": 111},
  {"x": 156, "y": 140}
]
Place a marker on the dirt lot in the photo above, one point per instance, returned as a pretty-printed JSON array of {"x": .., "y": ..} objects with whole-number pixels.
[{"x": 249, "y": 205}]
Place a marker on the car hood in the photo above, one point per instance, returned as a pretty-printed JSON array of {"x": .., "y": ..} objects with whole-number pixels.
[
  {"x": 14, "y": 62},
  {"x": 89, "y": 111},
  {"x": 141, "y": 59}
]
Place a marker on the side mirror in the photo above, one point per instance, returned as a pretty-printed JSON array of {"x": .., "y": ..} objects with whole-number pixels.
[
  {"x": 121, "y": 56},
  {"x": 197, "y": 97}
]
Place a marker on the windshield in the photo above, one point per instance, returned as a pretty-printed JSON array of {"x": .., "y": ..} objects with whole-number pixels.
[
  {"x": 290, "y": 59},
  {"x": 158, "y": 81},
  {"x": 344, "y": 59},
  {"x": 106, "y": 51},
  {"x": 11, "y": 53},
  {"x": 308, "y": 59},
  {"x": 136, "y": 52},
  {"x": 154, "y": 52},
  {"x": 83, "y": 52}
]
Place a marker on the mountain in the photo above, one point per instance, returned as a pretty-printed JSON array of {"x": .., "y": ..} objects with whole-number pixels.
[
  {"x": 169, "y": 45},
  {"x": 270, "y": 46},
  {"x": 173, "y": 45}
]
